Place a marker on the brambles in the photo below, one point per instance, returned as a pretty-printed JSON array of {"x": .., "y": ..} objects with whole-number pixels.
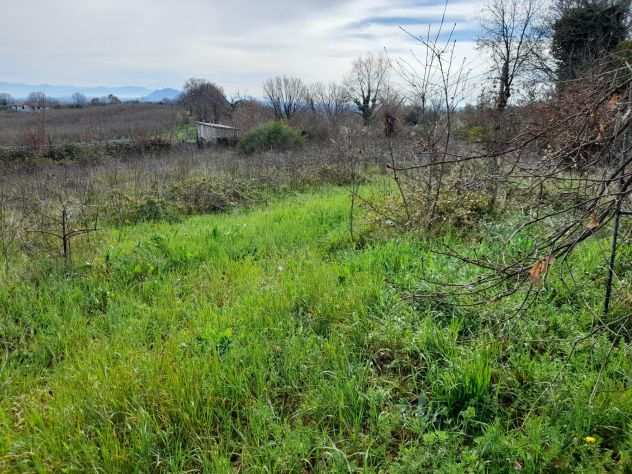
[
  {"x": 207, "y": 195},
  {"x": 152, "y": 209}
]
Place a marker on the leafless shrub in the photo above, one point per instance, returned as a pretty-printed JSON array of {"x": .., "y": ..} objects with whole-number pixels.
[
  {"x": 585, "y": 131},
  {"x": 437, "y": 83},
  {"x": 53, "y": 209},
  {"x": 62, "y": 223},
  {"x": 586, "y": 168}
]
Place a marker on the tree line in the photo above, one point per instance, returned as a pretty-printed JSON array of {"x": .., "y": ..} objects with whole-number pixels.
[{"x": 528, "y": 43}]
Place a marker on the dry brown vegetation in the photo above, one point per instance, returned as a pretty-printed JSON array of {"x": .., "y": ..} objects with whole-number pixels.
[
  {"x": 43, "y": 201},
  {"x": 89, "y": 124}
]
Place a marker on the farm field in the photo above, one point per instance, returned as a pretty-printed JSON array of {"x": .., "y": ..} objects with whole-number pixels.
[
  {"x": 91, "y": 124},
  {"x": 266, "y": 340}
]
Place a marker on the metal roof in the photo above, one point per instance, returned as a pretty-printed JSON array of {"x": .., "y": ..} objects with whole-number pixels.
[{"x": 217, "y": 125}]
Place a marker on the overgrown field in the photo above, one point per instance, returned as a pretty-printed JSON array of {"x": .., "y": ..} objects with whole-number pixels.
[
  {"x": 266, "y": 340},
  {"x": 90, "y": 124}
]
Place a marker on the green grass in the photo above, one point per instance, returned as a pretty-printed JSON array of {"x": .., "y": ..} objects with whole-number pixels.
[
  {"x": 185, "y": 133},
  {"x": 266, "y": 341}
]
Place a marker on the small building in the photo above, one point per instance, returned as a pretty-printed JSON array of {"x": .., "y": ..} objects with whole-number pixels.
[{"x": 216, "y": 133}]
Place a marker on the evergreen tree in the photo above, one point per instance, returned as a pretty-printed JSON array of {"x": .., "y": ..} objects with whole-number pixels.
[{"x": 584, "y": 30}]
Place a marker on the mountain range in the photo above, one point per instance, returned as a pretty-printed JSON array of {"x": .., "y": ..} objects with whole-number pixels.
[
  {"x": 162, "y": 95},
  {"x": 65, "y": 92}
]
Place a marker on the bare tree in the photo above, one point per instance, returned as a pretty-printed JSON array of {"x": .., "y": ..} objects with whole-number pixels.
[
  {"x": 366, "y": 83},
  {"x": 65, "y": 223},
  {"x": 6, "y": 100},
  {"x": 79, "y": 100},
  {"x": 37, "y": 100},
  {"x": 248, "y": 113},
  {"x": 204, "y": 100},
  {"x": 331, "y": 99},
  {"x": 287, "y": 95},
  {"x": 392, "y": 101},
  {"x": 512, "y": 36}
]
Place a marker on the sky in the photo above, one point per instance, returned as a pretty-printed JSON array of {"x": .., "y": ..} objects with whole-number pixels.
[{"x": 237, "y": 43}]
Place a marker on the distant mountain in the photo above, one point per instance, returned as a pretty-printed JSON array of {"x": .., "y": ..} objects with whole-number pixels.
[
  {"x": 162, "y": 95},
  {"x": 21, "y": 91}
]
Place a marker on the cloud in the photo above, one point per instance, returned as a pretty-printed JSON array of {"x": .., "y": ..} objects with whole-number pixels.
[{"x": 238, "y": 44}]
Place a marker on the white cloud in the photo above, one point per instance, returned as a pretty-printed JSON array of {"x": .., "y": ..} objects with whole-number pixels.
[{"x": 161, "y": 43}]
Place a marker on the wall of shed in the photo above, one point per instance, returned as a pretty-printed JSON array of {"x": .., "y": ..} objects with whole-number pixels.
[
  {"x": 212, "y": 134},
  {"x": 206, "y": 134}
]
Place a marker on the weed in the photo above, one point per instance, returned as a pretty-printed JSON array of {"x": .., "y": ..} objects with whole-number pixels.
[{"x": 264, "y": 340}]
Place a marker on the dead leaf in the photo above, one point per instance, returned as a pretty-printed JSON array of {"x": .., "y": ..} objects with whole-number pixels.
[
  {"x": 594, "y": 222},
  {"x": 614, "y": 102},
  {"x": 540, "y": 268}
]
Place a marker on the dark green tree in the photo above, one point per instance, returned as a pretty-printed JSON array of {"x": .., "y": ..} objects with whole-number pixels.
[{"x": 585, "y": 30}]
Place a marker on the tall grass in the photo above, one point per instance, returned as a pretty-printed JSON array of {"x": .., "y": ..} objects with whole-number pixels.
[{"x": 266, "y": 341}]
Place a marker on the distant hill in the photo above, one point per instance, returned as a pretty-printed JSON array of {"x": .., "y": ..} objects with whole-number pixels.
[
  {"x": 21, "y": 91},
  {"x": 162, "y": 95}
]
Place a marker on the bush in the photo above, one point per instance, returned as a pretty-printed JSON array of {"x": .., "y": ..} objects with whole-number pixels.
[
  {"x": 477, "y": 134},
  {"x": 65, "y": 152},
  {"x": 153, "y": 209},
  {"x": 204, "y": 196},
  {"x": 271, "y": 136}
]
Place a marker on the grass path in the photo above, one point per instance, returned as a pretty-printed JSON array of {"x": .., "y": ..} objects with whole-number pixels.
[{"x": 264, "y": 341}]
